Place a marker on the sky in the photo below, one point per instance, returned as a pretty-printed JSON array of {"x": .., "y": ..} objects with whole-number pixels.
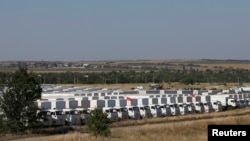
[{"x": 92, "y": 30}]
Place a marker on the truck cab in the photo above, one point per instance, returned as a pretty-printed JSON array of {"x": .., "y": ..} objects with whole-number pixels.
[
  {"x": 72, "y": 117},
  {"x": 155, "y": 110},
  {"x": 145, "y": 111},
  {"x": 199, "y": 107},
  {"x": 84, "y": 115},
  {"x": 45, "y": 117},
  {"x": 247, "y": 102},
  {"x": 111, "y": 112},
  {"x": 183, "y": 108},
  {"x": 163, "y": 110},
  {"x": 208, "y": 106},
  {"x": 217, "y": 106},
  {"x": 58, "y": 117},
  {"x": 133, "y": 112},
  {"x": 122, "y": 113},
  {"x": 168, "y": 110},
  {"x": 231, "y": 103},
  {"x": 191, "y": 108},
  {"x": 173, "y": 109}
]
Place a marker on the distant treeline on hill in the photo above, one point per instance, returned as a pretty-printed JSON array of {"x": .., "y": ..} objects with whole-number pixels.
[
  {"x": 185, "y": 76},
  {"x": 227, "y": 60}
]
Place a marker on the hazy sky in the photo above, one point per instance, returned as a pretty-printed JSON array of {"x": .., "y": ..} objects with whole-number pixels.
[{"x": 74, "y": 30}]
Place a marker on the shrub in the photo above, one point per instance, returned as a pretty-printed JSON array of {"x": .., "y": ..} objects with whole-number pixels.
[{"x": 98, "y": 123}]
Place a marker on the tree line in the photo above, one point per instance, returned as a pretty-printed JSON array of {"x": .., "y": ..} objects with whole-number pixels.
[{"x": 148, "y": 76}]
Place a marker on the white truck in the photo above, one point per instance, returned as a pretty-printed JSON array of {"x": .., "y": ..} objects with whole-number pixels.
[
  {"x": 84, "y": 115},
  {"x": 199, "y": 107},
  {"x": 133, "y": 112},
  {"x": 111, "y": 112},
  {"x": 145, "y": 111},
  {"x": 163, "y": 109},
  {"x": 155, "y": 110},
  {"x": 191, "y": 107},
  {"x": 122, "y": 113},
  {"x": 45, "y": 117},
  {"x": 183, "y": 108},
  {"x": 72, "y": 117},
  {"x": 168, "y": 110},
  {"x": 217, "y": 106},
  {"x": 58, "y": 117},
  {"x": 175, "y": 110},
  {"x": 208, "y": 106},
  {"x": 226, "y": 102},
  {"x": 247, "y": 102}
]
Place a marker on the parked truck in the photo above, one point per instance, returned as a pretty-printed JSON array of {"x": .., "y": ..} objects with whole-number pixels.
[
  {"x": 155, "y": 110},
  {"x": 122, "y": 113},
  {"x": 44, "y": 116},
  {"x": 183, "y": 108},
  {"x": 145, "y": 111},
  {"x": 199, "y": 107},
  {"x": 208, "y": 106},
  {"x": 111, "y": 112},
  {"x": 191, "y": 107},
  {"x": 58, "y": 117},
  {"x": 84, "y": 115},
  {"x": 226, "y": 101},
  {"x": 217, "y": 106},
  {"x": 133, "y": 112},
  {"x": 72, "y": 117}
]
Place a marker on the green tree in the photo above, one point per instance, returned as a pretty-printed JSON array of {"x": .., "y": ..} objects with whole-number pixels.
[
  {"x": 18, "y": 99},
  {"x": 3, "y": 127},
  {"x": 98, "y": 123}
]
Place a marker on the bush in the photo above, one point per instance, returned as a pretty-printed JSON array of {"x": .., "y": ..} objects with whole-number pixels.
[
  {"x": 3, "y": 126},
  {"x": 98, "y": 123}
]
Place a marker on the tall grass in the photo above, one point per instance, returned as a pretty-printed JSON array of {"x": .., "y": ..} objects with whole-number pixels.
[{"x": 157, "y": 129}]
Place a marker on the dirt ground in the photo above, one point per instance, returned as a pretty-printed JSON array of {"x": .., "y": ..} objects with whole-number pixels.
[{"x": 172, "y": 86}]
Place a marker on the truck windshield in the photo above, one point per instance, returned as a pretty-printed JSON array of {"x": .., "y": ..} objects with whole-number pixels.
[
  {"x": 59, "y": 113},
  {"x": 135, "y": 108},
  {"x": 124, "y": 109},
  {"x": 44, "y": 113},
  {"x": 157, "y": 106},
  {"x": 84, "y": 111},
  {"x": 113, "y": 110},
  {"x": 73, "y": 112}
]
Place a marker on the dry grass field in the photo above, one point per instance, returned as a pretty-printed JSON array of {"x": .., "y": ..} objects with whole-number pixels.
[
  {"x": 181, "y": 128},
  {"x": 173, "y": 86}
]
